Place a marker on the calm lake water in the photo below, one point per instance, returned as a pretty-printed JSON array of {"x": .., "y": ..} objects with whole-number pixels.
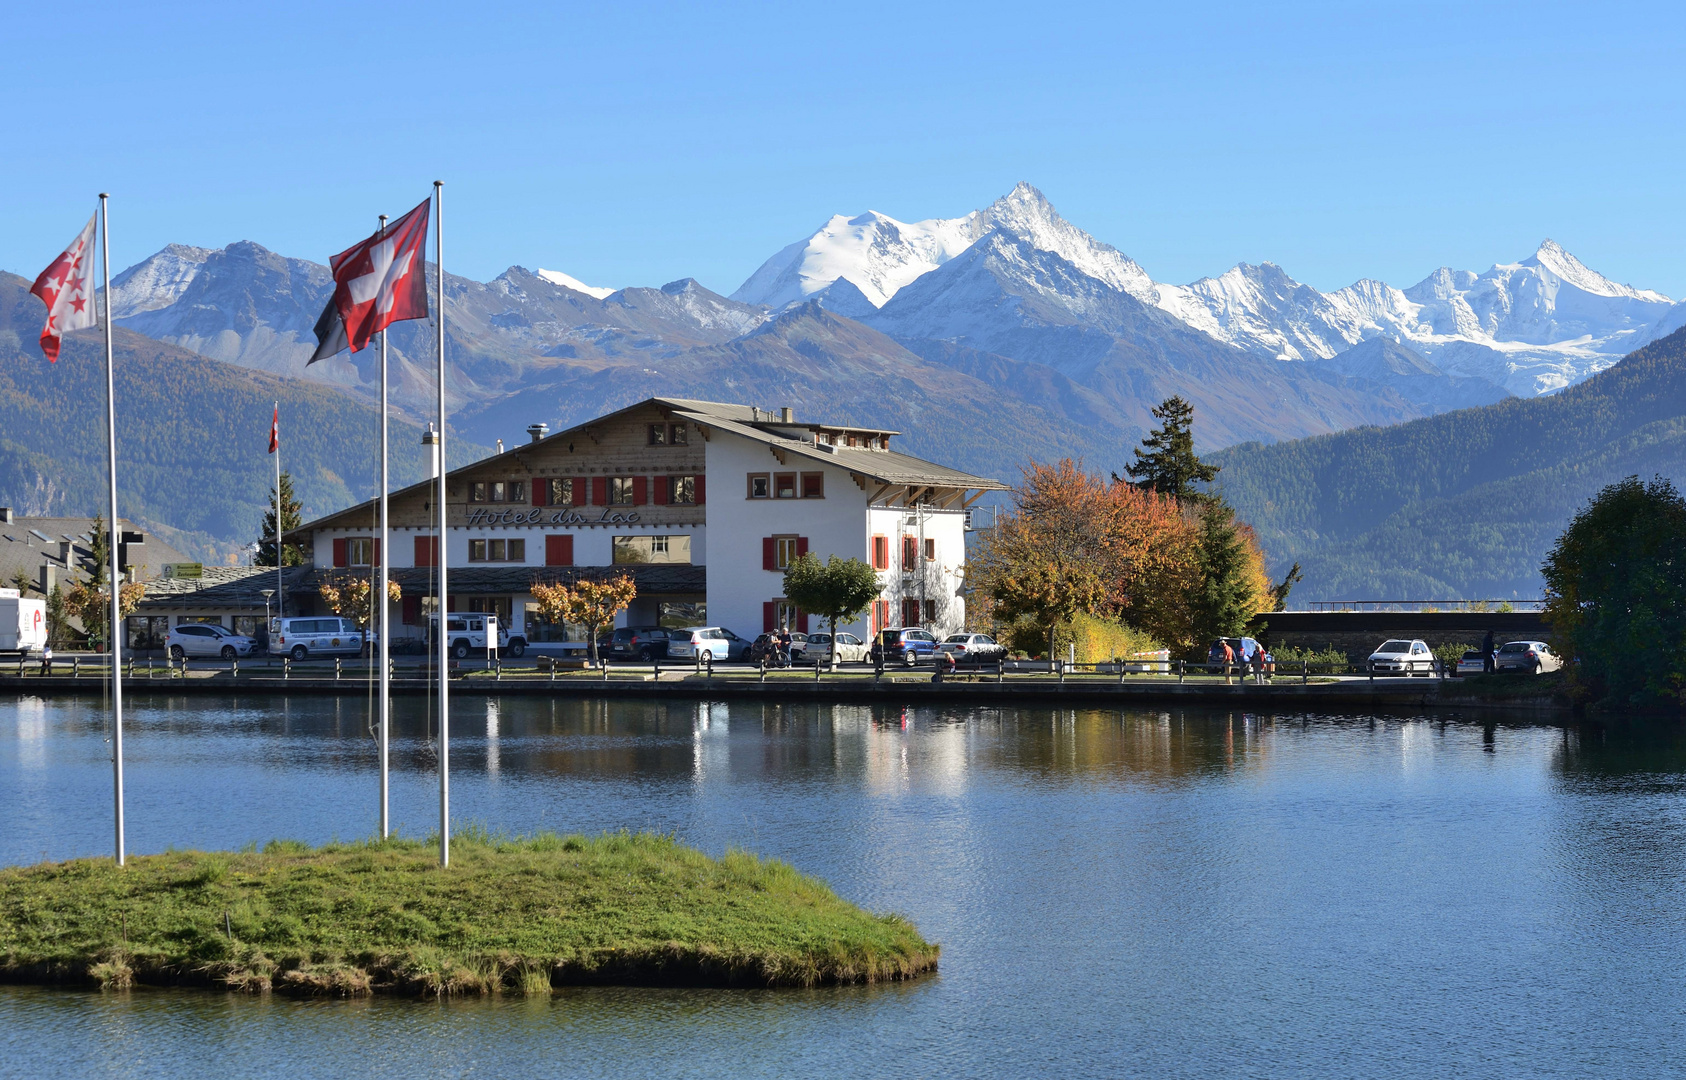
[{"x": 1159, "y": 894}]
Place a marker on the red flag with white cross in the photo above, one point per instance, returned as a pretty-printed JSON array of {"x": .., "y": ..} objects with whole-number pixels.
[
  {"x": 383, "y": 280},
  {"x": 67, "y": 288}
]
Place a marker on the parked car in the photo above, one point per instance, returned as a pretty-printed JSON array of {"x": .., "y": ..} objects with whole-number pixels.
[
  {"x": 466, "y": 631},
  {"x": 1533, "y": 657},
  {"x": 1472, "y": 662},
  {"x": 763, "y": 646},
  {"x": 687, "y": 642},
  {"x": 850, "y": 649},
  {"x": 1401, "y": 657},
  {"x": 321, "y": 635},
  {"x": 903, "y": 645},
  {"x": 638, "y": 643},
  {"x": 973, "y": 648},
  {"x": 1245, "y": 648},
  {"x": 207, "y": 639}
]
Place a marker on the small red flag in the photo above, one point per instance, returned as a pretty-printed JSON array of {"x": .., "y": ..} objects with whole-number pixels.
[
  {"x": 275, "y": 430},
  {"x": 383, "y": 280},
  {"x": 67, "y": 288}
]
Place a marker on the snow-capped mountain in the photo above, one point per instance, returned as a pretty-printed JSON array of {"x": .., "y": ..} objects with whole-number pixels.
[
  {"x": 567, "y": 281},
  {"x": 1532, "y": 326}
]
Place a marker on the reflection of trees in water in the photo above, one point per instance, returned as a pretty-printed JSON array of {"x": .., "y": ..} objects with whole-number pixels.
[
  {"x": 1644, "y": 755},
  {"x": 1170, "y": 745},
  {"x": 1622, "y": 825}
]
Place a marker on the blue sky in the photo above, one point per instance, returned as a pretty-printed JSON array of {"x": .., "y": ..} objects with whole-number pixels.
[{"x": 637, "y": 143}]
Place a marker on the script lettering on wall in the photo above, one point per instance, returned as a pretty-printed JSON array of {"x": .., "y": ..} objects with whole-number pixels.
[{"x": 547, "y": 516}]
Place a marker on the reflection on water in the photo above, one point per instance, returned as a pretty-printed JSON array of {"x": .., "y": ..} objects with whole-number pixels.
[{"x": 1152, "y": 893}]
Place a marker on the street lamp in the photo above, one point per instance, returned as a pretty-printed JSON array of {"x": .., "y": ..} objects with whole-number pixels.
[{"x": 267, "y": 593}]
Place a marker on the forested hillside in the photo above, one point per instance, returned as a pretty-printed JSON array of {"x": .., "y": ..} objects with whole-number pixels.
[
  {"x": 192, "y": 435},
  {"x": 1464, "y": 504}
]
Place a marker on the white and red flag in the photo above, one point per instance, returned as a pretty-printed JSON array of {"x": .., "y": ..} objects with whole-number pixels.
[
  {"x": 275, "y": 430},
  {"x": 67, "y": 288},
  {"x": 377, "y": 282}
]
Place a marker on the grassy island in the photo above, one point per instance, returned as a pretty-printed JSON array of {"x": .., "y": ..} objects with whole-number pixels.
[{"x": 521, "y": 915}]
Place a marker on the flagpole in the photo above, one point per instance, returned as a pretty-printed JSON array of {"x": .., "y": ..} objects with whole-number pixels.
[
  {"x": 444, "y": 636},
  {"x": 113, "y": 537},
  {"x": 280, "y": 515},
  {"x": 385, "y": 562}
]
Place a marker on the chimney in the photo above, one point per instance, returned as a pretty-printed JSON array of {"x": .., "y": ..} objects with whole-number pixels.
[
  {"x": 430, "y": 439},
  {"x": 500, "y": 446},
  {"x": 538, "y": 431},
  {"x": 5, "y": 515},
  {"x": 49, "y": 578},
  {"x": 787, "y": 415},
  {"x": 64, "y": 552}
]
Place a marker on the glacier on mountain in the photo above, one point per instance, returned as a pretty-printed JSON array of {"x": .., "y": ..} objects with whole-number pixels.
[{"x": 557, "y": 277}]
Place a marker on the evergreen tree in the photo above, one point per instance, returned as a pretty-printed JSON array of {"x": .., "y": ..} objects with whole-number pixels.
[
  {"x": 98, "y": 564},
  {"x": 1222, "y": 599},
  {"x": 1166, "y": 462},
  {"x": 291, "y": 521}
]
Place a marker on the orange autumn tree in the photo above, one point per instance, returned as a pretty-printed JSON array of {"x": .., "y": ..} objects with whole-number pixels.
[
  {"x": 1075, "y": 544},
  {"x": 590, "y": 603}
]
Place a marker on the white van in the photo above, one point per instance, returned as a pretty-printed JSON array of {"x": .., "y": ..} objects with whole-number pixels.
[
  {"x": 316, "y": 635},
  {"x": 466, "y": 632},
  {"x": 23, "y": 623}
]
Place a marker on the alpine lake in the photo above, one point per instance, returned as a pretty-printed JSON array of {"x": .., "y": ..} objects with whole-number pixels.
[{"x": 1183, "y": 893}]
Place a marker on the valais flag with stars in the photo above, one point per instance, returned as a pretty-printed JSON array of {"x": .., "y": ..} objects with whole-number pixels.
[
  {"x": 67, "y": 288},
  {"x": 377, "y": 282}
]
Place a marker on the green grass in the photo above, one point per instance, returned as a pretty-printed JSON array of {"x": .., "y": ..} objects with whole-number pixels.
[
  {"x": 508, "y": 915},
  {"x": 1509, "y": 686}
]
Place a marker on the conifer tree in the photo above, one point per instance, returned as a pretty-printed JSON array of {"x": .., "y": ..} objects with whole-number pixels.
[
  {"x": 291, "y": 521},
  {"x": 1222, "y": 599},
  {"x": 1166, "y": 462}
]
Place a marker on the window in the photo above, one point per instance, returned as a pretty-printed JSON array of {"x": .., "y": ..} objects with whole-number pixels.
[
  {"x": 658, "y": 434},
  {"x": 682, "y": 490},
  {"x": 930, "y": 551},
  {"x": 249, "y": 625},
  {"x": 787, "y": 615},
  {"x": 813, "y": 485},
  {"x": 785, "y": 551},
  {"x": 910, "y": 613},
  {"x": 784, "y": 485},
  {"x": 495, "y": 491},
  {"x": 678, "y": 435},
  {"x": 760, "y": 486},
  {"x": 620, "y": 491},
  {"x": 497, "y": 551},
  {"x": 910, "y": 553},
  {"x": 360, "y": 551},
  {"x": 491, "y": 605},
  {"x": 881, "y": 553},
  {"x": 518, "y": 491},
  {"x": 199, "y": 620},
  {"x": 146, "y": 631},
  {"x": 652, "y": 549},
  {"x": 930, "y": 611},
  {"x": 477, "y": 491},
  {"x": 561, "y": 492}
]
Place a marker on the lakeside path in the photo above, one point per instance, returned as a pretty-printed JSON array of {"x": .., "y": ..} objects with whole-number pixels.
[{"x": 910, "y": 687}]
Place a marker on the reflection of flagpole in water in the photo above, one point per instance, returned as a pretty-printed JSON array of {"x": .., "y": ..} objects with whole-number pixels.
[{"x": 492, "y": 717}]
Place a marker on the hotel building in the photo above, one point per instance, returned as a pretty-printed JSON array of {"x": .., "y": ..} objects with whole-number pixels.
[{"x": 703, "y": 504}]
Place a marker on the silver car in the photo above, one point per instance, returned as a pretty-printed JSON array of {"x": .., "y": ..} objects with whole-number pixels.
[
  {"x": 973, "y": 648},
  {"x": 850, "y": 649},
  {"x": 1400, "y": 657},
  {"x": 1532, "y": 657},
  {"x": 207, "y": 639}
]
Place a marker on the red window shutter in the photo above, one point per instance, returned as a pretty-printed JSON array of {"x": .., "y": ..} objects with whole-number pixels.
[
  {"x": 579, "y": 491},
  {"x": 412, "y": 610},
  {"x": 881, "y": 553},
  {"x": 339, "y": 552},
  {"x": 801, "y": 546},
  {"x": 910, "y": 613},
  {"x": 600, "y": 491},
  {"x": 451, "y": 603},
  {"x": 640, "y": 490},
  {"x": 662, "y": 483},
  {"x": 769, "y": 616},
  {"x": 376, "y": 544},
  {"x": 801, "y": 621},
  {"x": 541, "y": 487},
  {"x": 699, "y": 489},
  {"x": 769, "y": 553},
  {"x": 559, "y": 550},
  {"x": 427, "y": 551}
]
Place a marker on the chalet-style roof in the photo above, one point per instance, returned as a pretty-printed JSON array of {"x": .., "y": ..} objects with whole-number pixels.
[
  {"x": 225, "y": 588},
  {"x": 786, "y": 438},
  {"x": 66, "y": 543}
]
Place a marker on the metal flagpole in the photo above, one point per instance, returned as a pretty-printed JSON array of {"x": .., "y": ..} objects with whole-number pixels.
[
  {"x": 385, "y": 561},
  {"x": 444, "y": 637},
  {"x": 113, "y": 536},
  {"x": 280, "y": 514}
]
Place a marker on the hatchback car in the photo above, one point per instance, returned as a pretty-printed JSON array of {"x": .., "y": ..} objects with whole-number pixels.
[
  {"x": 687, "y": 643},
  {"x": 638, "y": 643},
  {"x": 207, "y": 639},
  {"x": 903, "y": 645},
  {"x": 1400, "y": 657},
  {"x": 973, "y": 648},
  {"x": 1533, "y": 657},
  {"x": 1472, "y": 662},
  {"x": 850, "y": 649}
]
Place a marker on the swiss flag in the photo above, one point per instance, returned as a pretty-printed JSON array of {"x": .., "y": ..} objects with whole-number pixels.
[
  {"x": 378, "y": 282},
  {"x": 275, "y": 429},
  {"x": 67, "y": 288}
]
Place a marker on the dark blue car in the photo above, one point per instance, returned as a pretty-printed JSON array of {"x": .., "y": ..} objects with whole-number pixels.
[{"x": 903, "y": 645}]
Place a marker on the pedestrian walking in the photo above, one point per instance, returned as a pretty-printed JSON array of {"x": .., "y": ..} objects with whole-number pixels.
[
  {"x": 1258, "y": 664},
  {"x": 1487, "y": 653},
  {"x": 46, "y": 659},
  {"x": 1229, "y": 661}
]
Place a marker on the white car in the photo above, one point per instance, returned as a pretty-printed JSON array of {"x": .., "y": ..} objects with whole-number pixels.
[
  {"x": 850, "y": 649},
  {"x": 466, "y": 632},
  {"x": 686, "y": 643},
  {"x": 207, "y": 639},
  {"x": 1400, "y": 657},
  {"x": 973, "y": 648},
  {"x": 316, "y": 635}
]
